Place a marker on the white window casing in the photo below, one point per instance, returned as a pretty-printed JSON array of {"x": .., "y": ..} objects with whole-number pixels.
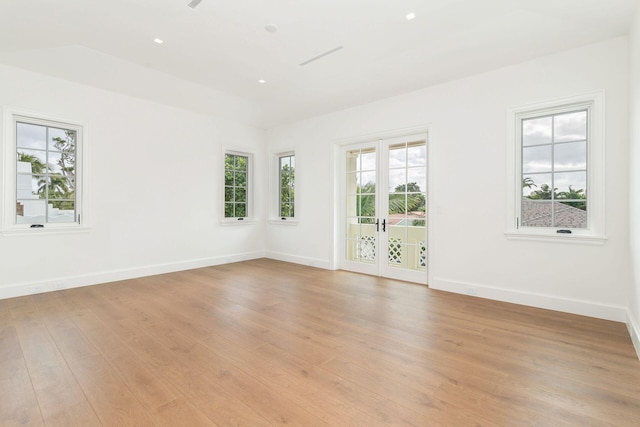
[
  {"x": 521, "y": 223},
  {"x": 237, "y": 187},
  {"x": 52, "y": 198}
]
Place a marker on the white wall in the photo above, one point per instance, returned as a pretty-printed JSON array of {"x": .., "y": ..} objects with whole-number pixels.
[
  {"x": 468, "y": 126},
  {"x": 154, "y": 181},
  {"x": 634, "y": 51}
]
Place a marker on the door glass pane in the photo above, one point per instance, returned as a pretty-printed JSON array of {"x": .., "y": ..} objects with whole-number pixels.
[
  {"x": 407, "y": 206},
  {"x": 360, "y": 181},
  {"x": 417, "y": 154}
]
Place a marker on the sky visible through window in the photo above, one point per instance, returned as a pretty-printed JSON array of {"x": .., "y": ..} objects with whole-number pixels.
[{"x": 555, "y": 146}]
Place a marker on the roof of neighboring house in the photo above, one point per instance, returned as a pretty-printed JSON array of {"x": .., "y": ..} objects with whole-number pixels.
[
  {"x": 537, "y": 213},
  {"x": 394, "y": 219}
]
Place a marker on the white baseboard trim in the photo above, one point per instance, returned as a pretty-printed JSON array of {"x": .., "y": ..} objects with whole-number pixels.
[
  {"x": 549, "y": 302},
  {"x": 634, "y": 331},
  {"x": 311, "y": 262},
  {"x": 28, "y": 288}
]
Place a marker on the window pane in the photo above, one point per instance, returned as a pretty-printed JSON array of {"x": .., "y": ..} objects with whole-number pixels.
[
  {"x": 62, "y": 140},
  {"x": 571, "y": 182},
  {"x": 536, "y": 213},
  {"x": 570, "y": 126},
  {"x": 397, "y": 206},
  {"x": 570, "y": 156},
  {"x": 537, "y": 186},
  {"x": 285, "y": 162},
  {"x": 366, "y": 205},
  {"x": 228, "y": 210},
  {"x": 30, "y": 211},
  {"x": 31, "y": 161},
  {"x": 39, "y": 185},
  {"x": 228, "y": 178},
  {"x": 228, "y": 194},
  {"x": 367, "y": 161},
  {"x": 241, "y": 210},
  {"x": 61, "y": 211},
  {"x": 353, "y": 161},
  {"x": 536, "y": 159},
  {"x": 416, "y": 180},
  {"x": 241, "y": 163},
  {"x": 397, "y": 179},
  {"x": 31, "y": 136},
  {"x": 570, "y": 215},
  {"x": 536, "y": 131},
  {"x": 240, "y": 194},
  {"x": 398, "y": 156},
  {"x": 367, "y": 182},
  {"x": 240, "y": 179},
  {"x": 417, "y": 155}
]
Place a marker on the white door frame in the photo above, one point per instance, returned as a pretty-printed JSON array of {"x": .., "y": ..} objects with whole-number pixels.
[{"x": 340, "y": 148}]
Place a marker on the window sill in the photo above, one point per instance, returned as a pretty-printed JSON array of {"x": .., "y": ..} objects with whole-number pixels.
[
  {"x": 237, "y": 221},
  {"x": 288, "y": 221},
  {"x": 44, "y": 231},
  {"x": 578, "y": 239}
]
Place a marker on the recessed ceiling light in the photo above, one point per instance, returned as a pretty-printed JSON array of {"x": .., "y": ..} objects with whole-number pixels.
[
  {"x": 262, "y": 81},
  {"x": 410, "y": 16},
  {"x": 158, "y": 41}
]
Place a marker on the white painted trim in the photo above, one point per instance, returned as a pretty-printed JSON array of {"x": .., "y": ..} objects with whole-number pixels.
[
  {"x": 311, "y": 262},
  {"x": 634, "y": 332},
  {"x": 8, "y": 225},
  {"x": 595, "y": 102},
  {"x": 580, "y": 239},
  {"x": 21, "y": 289},
  {"x": 274, "y": 187},
  {"x": 567, "y": 305}
]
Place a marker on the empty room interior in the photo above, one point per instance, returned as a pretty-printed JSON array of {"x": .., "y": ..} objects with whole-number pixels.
[{"x": 320, "y": 212}]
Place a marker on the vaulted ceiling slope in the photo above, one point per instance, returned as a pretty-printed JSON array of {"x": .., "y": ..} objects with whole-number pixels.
[{"x": 221, "y": 49}]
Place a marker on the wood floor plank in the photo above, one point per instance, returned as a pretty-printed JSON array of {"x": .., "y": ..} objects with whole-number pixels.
[
  {"x": 262, "y": 343},
  {"x": 114, "y": 403},
  {"x": 18, "y": 403},
  {"x": 60, "y": 398}
]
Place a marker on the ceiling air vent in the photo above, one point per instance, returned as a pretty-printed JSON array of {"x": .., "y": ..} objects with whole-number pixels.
[{"x": 322, "y": 55}]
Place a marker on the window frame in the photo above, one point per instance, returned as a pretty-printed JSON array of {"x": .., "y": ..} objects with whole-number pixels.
[
  {"x": 9, "y": 225},
  {"x": 277, "y": 185},
  {"x": 274, "y": 189},
  {"x": 594, "y": 233},
  {"x": 249, "y": 187}
]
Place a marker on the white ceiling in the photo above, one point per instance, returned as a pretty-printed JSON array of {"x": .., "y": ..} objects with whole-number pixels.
[{"x": 222, "y": 46}]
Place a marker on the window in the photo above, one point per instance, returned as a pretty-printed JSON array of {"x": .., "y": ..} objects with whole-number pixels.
[
  {"x": 44, "y": 173},
  {"x": 236, "y": 185},
  {"x": 286, "y": 185},
  {"x": 558, "y": 174}
]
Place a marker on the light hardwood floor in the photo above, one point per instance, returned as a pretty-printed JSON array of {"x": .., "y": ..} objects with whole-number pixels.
[{"x": 262, "y": 343}]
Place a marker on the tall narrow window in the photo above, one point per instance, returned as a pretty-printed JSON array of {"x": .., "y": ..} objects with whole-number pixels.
[
  {"x": 47, "y": 172},
  {"x": 286, "y": 180},
  {"x": 236, "y": 185}
]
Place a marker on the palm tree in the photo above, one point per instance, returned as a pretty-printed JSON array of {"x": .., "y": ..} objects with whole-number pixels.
[
  {"x": 528, "y": 182},
  {"x": 366, "y": 200},
  {"x": 37, "y": 167},
  {"x": 573, "y": 195}
]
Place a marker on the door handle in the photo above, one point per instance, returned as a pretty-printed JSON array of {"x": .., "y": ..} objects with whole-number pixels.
[
  {"x": 377, "y": 225},
  {"x": 384, "y": 225}
]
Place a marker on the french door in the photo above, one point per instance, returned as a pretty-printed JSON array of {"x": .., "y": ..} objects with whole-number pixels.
[{"x": 384, "y": 210}]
